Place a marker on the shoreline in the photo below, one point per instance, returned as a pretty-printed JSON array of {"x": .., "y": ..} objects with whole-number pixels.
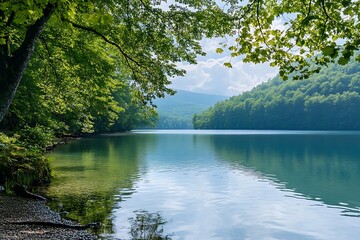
[{"x": 18, "y": 209}]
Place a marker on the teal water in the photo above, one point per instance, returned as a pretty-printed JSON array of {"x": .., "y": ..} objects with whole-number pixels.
[{"x": 214, "y": 184}]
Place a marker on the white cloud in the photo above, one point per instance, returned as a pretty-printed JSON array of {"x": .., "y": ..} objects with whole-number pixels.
[{"x": 211, "y": 76}]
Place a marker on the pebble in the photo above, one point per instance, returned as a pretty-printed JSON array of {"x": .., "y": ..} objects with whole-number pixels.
[{"x": 17, "y": 209}]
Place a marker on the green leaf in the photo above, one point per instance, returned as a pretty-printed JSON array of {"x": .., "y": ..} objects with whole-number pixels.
[
  {"x": 308, "y": 19},
  {"x": 346, "y": 3},
  {"x": 343, "y": 61},
  {"x": 219, "y": 50},
  {"x": 273, "y": 64},
  {"x": 328, "y": 50},
  {"x": 227, "y": 64},
  {"x": 270, "y": 19},
  {"x": 232, "y": 48}
]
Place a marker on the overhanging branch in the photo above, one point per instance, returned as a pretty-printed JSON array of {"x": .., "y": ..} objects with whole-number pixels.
[
  {"x": 324, "y": 9},
  {"x": 94, "y": 31},
  {"x": 259, "y": 24}
]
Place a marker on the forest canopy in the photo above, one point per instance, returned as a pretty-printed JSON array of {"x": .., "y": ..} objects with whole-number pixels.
[{"x": 328, "y": 100}]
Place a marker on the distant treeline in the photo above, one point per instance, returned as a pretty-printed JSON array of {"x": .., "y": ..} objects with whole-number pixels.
[
  {"x": 329, "y": 100},
  {"x": 167, "y": 122},
  {"x": 176, "y": 112}
]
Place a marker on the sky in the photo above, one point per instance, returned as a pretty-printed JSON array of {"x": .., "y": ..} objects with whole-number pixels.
[{"x": 212, "y": 77}]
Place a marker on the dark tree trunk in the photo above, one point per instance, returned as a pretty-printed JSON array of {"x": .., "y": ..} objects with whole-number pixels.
[{"x": 12, "y": 66}]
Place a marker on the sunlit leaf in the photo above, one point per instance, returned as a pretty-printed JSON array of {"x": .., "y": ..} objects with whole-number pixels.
[
  {"x": 219, "y": 50},
  {"x": 228, "y": 64}
]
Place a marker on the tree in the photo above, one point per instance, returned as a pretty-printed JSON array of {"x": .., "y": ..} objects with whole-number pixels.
[
  {"x": 63, "y": 88},
  {"x": 151, "y": 38},
  {"x": 13, "y": 61}
]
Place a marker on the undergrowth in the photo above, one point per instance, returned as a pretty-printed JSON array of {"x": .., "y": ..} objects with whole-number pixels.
[{"x": 22, "y": 163}]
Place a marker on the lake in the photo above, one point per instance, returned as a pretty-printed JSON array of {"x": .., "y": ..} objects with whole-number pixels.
[{"x": 199, "y": 184}]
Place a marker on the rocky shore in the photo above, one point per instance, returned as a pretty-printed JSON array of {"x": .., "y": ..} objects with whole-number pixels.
[{"x": 23, "y": 218}]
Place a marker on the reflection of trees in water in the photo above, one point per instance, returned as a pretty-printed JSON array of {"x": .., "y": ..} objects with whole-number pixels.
[
  {"x": 148, "y": 226},
  {"x": 93, "y": 208},
  {"x": 91, "y": 172},
  {"x": 324, "y": 166}
]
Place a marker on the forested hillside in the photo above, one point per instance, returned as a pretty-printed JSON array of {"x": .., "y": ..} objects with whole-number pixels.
[
  {"x": 176, "y": 112},
  {"x": 329, "y": 100}
]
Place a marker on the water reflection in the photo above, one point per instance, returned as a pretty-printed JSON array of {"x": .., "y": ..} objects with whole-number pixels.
[
  {"x": 148, "y": 226},
  {"x": 213, "y": 186},
  {"x": 90, "y": 173},
  {"x": 322, "y": 167}
]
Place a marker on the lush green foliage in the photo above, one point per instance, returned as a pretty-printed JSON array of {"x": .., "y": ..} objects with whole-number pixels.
[
  {"x": 21, "y": 164},
  {"x": 328, "y": 100},
  {"x": 73, "y": 93},
  {"x": 298, "y": 36}
]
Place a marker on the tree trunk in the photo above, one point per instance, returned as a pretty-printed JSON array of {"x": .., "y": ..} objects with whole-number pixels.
[{"x": 12, "y": 67}]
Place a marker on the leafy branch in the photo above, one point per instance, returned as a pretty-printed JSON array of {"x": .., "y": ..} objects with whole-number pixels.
[
  {"x": 259, "y": 24},
  {"x": 94, "y": 31}
]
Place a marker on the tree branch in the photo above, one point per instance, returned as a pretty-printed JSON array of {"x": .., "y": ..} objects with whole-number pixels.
[
  {"x": 12, "y": 72},
  {"x": 2, "y": 14},
  {"x": 32, "y": 34},
  {"x": 57, "y": 224},
  {"x": 51, "y": 63},
  {"x": 309, "y": 9},
  {"x": 259, "y": 24},
  {"x": 324, "y": 9},
  {"x": 10, "y": 19},
  {"x": 301, "y": 24},
  {"x": 326, "y": 19},
  {"x": 6, "y": 48},
  {"x": 105, "y": 39}
]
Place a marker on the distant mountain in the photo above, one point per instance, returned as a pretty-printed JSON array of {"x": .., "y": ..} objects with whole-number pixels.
[
  {"x": 329, "y": 100},
  {"x": 176, "y": 112}
]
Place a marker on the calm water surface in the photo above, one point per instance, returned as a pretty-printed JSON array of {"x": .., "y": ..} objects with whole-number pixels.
[{"x": 214, "y": 184}]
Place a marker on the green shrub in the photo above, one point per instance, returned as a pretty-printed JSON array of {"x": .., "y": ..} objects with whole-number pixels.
[
  {"x": 19, "y": 164},
  {"x": 38, "y": 136}
]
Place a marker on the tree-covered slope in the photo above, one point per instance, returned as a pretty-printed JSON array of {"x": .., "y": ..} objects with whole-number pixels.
[
  {"x": 329, "y": 100},
  {"x": 176, "y": 112}
]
